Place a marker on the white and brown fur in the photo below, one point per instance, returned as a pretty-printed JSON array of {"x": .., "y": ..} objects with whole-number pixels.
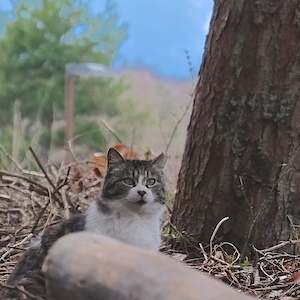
[{"x": 128, "y": 209}]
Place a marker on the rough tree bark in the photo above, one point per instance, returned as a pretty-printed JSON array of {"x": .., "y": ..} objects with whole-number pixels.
[{"x": 242, "y": 156}]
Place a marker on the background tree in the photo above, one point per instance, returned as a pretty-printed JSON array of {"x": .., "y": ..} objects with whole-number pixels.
[
  {"x": 38, "y": 39},
  {"x": 241, "y": 157}
]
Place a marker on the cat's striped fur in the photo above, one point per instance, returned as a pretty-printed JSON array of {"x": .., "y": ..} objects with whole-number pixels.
[{"x": 129, "y": 209}]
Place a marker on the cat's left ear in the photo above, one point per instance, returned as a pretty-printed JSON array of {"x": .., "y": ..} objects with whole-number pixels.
[
  {"x": 160, "y": 160},
  {"x": 114, "y": 157}
]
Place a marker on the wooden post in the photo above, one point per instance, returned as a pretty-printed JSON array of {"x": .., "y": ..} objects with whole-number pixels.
[{"x": 85, "y": 266}]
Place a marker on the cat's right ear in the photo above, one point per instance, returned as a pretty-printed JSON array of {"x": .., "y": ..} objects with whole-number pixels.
[
  {"x": 114, "y": 157},
  {"x": 160, "y": 160}
]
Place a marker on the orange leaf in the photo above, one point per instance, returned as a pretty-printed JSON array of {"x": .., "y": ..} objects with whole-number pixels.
[
  {"x": 293, "y": 278},
  {"x": 131, "y": 154},
  {"x": 100, "y": 162}
]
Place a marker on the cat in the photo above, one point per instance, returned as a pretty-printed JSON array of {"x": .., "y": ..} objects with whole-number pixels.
[{"x": 129, "y": 209}]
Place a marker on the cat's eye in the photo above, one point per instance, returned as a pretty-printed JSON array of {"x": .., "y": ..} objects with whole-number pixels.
[
  {"x": 150, "y": 182},
  {"x": 129, "y": 181}
]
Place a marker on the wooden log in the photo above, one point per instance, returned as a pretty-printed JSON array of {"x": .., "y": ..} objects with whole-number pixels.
[{"x": 84, "y": 266}]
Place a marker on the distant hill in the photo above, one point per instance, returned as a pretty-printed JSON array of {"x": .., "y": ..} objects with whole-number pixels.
[
  {"x": 168, "y": 101},
  {"x": 149, "y": 88}
]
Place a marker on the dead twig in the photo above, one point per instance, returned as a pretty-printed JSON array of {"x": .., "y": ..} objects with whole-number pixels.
[
  {"x": 111, "y": 131},
  {"x": 215, "y": 232},
  {"x": 282, "y": 244},
  {"x": 179, "y": 121},
  {"x": 21, "y": 290},
  {"x": 41, "y": 167}
]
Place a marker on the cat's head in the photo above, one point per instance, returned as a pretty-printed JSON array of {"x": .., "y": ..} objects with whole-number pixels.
[{"x": 135, "y": 184}]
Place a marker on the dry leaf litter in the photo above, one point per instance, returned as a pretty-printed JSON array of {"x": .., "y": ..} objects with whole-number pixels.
[{"x": 31, "y": 201}]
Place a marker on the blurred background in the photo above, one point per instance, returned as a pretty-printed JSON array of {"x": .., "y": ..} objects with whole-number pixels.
[{"x": 136, "y": 67}]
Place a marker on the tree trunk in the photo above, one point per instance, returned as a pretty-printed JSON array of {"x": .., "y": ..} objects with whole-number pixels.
[
  {"x": 241, "y": 157},
  {"x": 84, "y": 266}
]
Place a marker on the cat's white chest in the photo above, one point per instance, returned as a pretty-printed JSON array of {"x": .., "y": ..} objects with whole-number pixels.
[{"x": 129, "y": 228}]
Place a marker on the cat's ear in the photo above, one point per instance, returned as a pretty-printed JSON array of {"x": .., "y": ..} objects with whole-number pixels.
[
  {"x": 114, "y": 157},
  {"x": 160, "y": 160}
]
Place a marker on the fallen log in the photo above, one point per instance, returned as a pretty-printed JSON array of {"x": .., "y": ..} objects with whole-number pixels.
[{"x": 84, "y": 266}]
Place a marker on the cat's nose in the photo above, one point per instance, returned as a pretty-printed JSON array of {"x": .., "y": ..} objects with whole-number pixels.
[{"x": 141, "y": 193}]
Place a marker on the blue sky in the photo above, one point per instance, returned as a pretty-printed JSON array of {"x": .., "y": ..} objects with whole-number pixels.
[{"x": 160, "y": 34}]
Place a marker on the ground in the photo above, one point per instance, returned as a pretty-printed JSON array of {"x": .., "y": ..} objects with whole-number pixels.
[{"x": 30, "y": 201}]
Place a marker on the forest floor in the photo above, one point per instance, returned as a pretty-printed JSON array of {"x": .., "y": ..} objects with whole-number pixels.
[{"x": 31, "y": 201}]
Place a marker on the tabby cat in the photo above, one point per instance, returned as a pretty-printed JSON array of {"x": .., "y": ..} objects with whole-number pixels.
[{"x": 129, "y": 210}]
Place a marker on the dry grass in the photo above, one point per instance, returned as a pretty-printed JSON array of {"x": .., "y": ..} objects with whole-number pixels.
[
  {"x": 272, "y": 275},
  {"x": 30, "y": 201}
]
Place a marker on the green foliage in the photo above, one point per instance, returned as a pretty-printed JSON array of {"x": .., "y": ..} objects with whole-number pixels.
[
  {"x": 135, "y": 113},
  {"x": 99, "y": 96},
  {"x": 133, "y": 119},
  {"x": 246, "y": 263},
  {"x": 13, "y": 148},
  {"x": 6, "y": 137},
  {"x": 87, "y": 134},
  {"x": 38, "y": 40},
  {"x": 170, "y": 198}
]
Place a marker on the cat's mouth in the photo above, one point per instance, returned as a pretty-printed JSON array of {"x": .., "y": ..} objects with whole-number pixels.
[{"x": 141, "y": 202}]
